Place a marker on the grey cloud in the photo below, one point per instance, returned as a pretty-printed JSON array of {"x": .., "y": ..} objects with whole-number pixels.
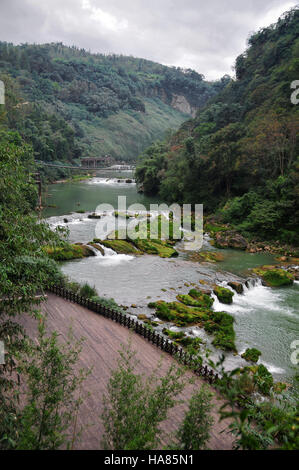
[{"x": 204, "y": 35}]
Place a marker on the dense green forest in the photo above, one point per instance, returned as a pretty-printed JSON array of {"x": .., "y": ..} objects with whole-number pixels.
[
  {"x": 80, "y": 104},
  {"x": 239, "y": 155}
]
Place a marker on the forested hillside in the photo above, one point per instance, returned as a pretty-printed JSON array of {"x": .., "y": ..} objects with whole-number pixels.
[
  {"x": 81, "y": 104},
  {"x": 239, "y": 155}
]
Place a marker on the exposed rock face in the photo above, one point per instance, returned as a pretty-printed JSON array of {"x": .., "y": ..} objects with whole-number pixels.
[
  {"x": 231, "y": 239},
  {"x": 180, "y": 103},
  {"x": 175, "y": 100}
]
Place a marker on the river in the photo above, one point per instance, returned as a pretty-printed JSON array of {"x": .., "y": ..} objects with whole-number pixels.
[{"x": 265, "y": 318}]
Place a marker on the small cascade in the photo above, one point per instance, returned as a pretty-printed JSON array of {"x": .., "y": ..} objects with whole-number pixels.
[
  {"x": 96, "y": 252},
  {"x": 255, "y": 297},
  {"x": 109, "y": 257},
  {"x": 252, "y": 282}
]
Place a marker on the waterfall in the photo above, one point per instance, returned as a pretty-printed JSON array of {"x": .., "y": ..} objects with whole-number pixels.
[
  {"x": 255, "y": 297},
  {"x": 110, "y": 257}
]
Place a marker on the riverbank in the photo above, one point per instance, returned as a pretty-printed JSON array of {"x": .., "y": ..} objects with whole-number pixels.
[{"x": 226, "y": 236}]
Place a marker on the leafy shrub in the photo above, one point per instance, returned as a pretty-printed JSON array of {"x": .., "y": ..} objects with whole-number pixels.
[{"x": 195, "y": 429}]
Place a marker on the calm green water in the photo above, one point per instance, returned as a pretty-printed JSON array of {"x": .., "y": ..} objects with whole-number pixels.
[
  {"x": 264, "y": 318},
  {"x": 87, "y": 195}
]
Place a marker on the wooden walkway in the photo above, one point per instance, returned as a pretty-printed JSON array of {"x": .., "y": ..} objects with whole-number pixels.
[{"x": 103, "y": 338}]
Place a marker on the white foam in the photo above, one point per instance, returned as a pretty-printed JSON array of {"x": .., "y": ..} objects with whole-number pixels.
[
  {"x": 110, "y": 257},
  {"x": 111, "y": 181},
  {"x": 254, "y": 298}
]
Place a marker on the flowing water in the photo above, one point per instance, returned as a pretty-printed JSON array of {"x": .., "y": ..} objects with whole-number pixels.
[{"x": 265, "y": 318}]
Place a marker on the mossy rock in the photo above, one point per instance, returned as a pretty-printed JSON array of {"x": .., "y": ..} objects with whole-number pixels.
[
  {"x": 175, "y": 335},
  {"x": 180, "y": 314},
  {"x": 203, "y": 301},
  {"x": 220, "y": 324},
  {"x": 274, "y": 277},
  {"x": 142, "y": 317},
  {"x": 237, "y": 286},
  {"x": 224, "y": 295},
  {"x": 121, "y": 246},
  {"x": 156, "y": 247},
  {"x": 68, "y": 252},
  {"x": 251, "y": 355},
  {"x": 202, "y": 296},
  {"x": 94, "y": 216}
]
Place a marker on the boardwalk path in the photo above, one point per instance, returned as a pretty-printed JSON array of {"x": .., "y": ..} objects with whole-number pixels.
[{"x": 103, "y": 338}]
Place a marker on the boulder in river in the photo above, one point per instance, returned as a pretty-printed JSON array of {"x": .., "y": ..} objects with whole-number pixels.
[
  {"x": 224, "y": 295},
  {"x": 237, "y": 286},
  {"x": 274, "y": 277},
  {"x": 230, "y": 239},
  {"x": 251, "y": 355}
]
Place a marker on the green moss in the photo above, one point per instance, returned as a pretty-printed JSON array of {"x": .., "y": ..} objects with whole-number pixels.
[
  {"x": 251, "y": 355},
  {"x": 274, "y": 277},
  {"x": 205, "y": 299},
  {"x": 121, "y": 246},
  {"x": 180, "y": 314},
  {"x": 220, "y": 324},
  {"x": 156, "y": 247},
  {"x": 68, "y": 252},
  {"x": 224, "y": 295},
  {"x": 175, "y": 335}
]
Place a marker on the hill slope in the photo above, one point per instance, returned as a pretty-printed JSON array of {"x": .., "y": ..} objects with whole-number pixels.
[
  {"x": 108, "y": 104},
  {"x": 238, "y": 155}
]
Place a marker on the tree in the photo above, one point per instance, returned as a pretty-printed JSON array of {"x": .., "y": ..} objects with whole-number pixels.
[
  {"x": 195, "y": 429},
  {"x": 134, "y": 406},
  {"x": 47, "y": 421}
]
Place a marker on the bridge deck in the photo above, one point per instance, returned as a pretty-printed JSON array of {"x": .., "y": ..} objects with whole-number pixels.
[{"x": 100, "y": 352}]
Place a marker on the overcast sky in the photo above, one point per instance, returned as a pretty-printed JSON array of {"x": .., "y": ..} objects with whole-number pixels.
[{"x": 205, "y": 35}]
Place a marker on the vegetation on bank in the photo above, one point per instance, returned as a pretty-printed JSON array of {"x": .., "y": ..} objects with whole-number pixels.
[
  {"x": 242, "y": 146},
  {"x": 68, "y": 251}
]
